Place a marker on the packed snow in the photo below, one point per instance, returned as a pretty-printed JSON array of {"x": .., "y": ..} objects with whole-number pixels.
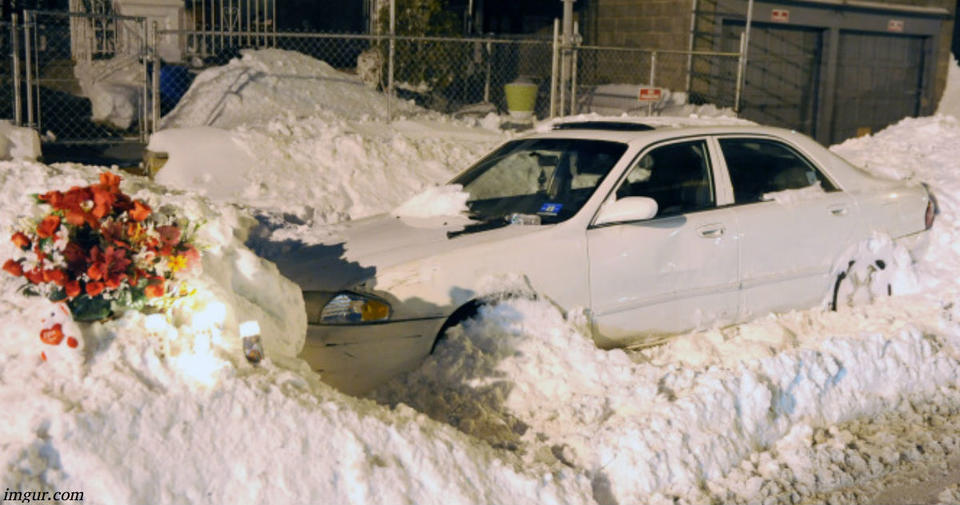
[
  {"x": 517, "y": 405},
  {"x": 18, "y": 143}
]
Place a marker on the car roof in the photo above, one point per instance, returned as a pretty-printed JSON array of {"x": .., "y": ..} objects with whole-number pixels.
[{"x": 646, "y": 130}]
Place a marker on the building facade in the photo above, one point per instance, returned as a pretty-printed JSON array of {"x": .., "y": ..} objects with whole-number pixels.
[{"x": 830, "y": 68}]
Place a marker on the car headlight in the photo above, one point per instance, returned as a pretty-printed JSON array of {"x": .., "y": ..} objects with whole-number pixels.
[{"x": 352, "y": 308}]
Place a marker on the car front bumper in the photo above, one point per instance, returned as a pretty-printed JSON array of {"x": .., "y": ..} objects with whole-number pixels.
[{"x": 357, "y": 358}]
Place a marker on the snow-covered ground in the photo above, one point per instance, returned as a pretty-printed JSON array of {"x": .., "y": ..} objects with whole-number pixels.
[{"x": 517, "y": 406}]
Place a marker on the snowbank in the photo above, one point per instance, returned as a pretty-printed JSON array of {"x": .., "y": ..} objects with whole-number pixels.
[
  {"x": 165, "y": 410},
  {"x": 320, "y": 169},
  {"x": 114, "y": 87},
  {"x": 267, "y": 82},
  {"x": 950, "y": 101},
  {"x": 18, "y": 143}
]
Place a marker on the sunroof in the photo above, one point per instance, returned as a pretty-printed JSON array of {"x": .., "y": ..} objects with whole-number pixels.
[{"x": 603, "y": 125}]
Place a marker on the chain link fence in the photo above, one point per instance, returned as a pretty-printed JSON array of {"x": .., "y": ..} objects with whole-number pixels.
[
  {"x": 85, "y": 77},
  {"x": 91, "y": 78},
  {"x": 8, "y": 45},
  {"x": 607, "y": 78}
]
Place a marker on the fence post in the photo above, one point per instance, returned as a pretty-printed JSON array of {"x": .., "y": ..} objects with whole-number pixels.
[
  {"x": 155, "y": 85},
  {"x": 741, "y": 64},
  {"x": 17, "y": 98},
  {"x": 393, "y": 40},
  {"x": 28, "y": 18},
  {"x": 486, "y": 81},
  {"x": 744, "y": 47},
  {"x": 653, "y": 78},
  {"x": 575, "y": 51},
  {"x": 553, "y": 68},
  {"x": 145, "y": 55}
]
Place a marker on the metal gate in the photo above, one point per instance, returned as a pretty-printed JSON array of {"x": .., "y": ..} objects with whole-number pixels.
[
  {"x": 86, "y": 95},
  {"x": 781, "y": 84},
  {"x": 879, "y": 81}
]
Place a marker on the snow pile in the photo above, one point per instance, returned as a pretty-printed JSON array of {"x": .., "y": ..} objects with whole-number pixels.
[
  {"x": 446, "y": 200},
  {"x": 950, "y": 101},
  {"x": 263, "y": 82},
  {"x": 320, "y": 169},
  {"x": 163, "y": 409},
  {"x": 114, "y": 87},
  {"x": 18, "y": 143}
]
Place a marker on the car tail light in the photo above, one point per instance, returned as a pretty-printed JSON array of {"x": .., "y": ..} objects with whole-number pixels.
[{"x": 932, "y": 209}]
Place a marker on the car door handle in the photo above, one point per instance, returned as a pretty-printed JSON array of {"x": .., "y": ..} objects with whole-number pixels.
[
  {"x": 838, "y": 211},
  {"x": 710, "y": 230}
]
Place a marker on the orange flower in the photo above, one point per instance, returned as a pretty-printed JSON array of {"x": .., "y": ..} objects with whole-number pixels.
[
  {"x": 54, "y": 198},
  {"x": 102, "y": 201},
  {"x": 35, "y": 276},
  {"x": 52, "y": 335},
  {"x": 155, "y": 290},
  {"x": 56, "y": 276},
  {"x": 140, "y": 211},
  {"x": 94, "y": 288},
  {"x": 20, "y": 240},
  {"x": 48, "y": 226},
  {"x": 13, "y": 268},
  {"x": 110, "y": 181},
  {"x": 96, "y": 271},
  {"x": 72, "y": 288}
]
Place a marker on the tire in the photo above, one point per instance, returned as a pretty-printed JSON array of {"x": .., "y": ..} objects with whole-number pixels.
[{"x": 876, "y": 265}]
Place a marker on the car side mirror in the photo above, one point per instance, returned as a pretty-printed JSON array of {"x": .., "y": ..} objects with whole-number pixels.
[{"x": 631, "y": 208}]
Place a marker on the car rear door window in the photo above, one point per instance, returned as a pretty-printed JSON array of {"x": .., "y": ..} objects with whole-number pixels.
[
  {"x": 760, "y": 167},
  {"x": 677, "y": 176}
]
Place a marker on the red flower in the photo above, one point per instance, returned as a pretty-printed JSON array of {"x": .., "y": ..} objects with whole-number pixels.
[
  {"x": 103, "y": 200},
  {"x": 154, "y": 290},
  {"x": 192, "y": 255},
  {"x": 72, "y": 342},
  {"x": 13, "y": 268},
  {"x": 140, "y": 211},
  {"x": 56, "y": 276},
  {"x": 96, "y": 271},
  {"x": 35, "y": 276},
  {"x": 54, "y": 198},
  {"x": 48, "y": 227},
  {"x": 72, "y": 288},
  {"x": 20, "y": 240},
  {"x": 110, "y": 181},
  {"x": 94, "y": 288},
  {"x": 53, "y": 335},
  {"x": 169, "y": 235}
]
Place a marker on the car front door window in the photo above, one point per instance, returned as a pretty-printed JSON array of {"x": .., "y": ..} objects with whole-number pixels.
[{"x": 677, "y": 176}]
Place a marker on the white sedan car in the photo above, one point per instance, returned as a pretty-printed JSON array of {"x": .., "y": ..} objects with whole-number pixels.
[{"x": 655, "y": 230}]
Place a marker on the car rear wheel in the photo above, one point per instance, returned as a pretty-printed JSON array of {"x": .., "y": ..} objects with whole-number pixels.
[{"x": 858, "y": 281}]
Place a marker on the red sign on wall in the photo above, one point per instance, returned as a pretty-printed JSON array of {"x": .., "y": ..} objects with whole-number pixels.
[
  {"x": 780, "y": 16},
  {"x": 650, "y": 94},
  {"x": 895, "y": 25}
]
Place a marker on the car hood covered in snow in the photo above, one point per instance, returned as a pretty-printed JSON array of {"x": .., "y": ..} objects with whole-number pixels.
[{"x": 359, "y": 250}]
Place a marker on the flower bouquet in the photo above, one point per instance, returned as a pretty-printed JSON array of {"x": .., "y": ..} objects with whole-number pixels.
[{"x": 101, "y": 251}]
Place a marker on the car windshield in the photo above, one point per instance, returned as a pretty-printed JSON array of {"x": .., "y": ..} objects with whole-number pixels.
[{"x": 547, "y": 178}]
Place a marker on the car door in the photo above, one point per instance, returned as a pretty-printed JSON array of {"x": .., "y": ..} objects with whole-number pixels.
[
  {"x": 794, "y": 223},
  {"x": 676, "y": 271}
]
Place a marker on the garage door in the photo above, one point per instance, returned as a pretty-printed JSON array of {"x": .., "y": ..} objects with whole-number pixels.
[
  {"x": 782, "y": 74},
  {"x": 879, "y": 82}
]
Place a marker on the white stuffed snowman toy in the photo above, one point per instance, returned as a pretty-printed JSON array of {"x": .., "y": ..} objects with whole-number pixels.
[{"x": 60, "y": 337}]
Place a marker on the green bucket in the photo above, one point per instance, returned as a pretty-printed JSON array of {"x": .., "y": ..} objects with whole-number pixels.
[{"x": 521, "y": 99}]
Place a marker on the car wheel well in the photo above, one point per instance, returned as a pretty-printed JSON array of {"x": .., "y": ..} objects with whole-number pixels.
[{"x": 464, "y": 312}]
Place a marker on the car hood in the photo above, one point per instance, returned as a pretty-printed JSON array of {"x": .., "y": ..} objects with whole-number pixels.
[{"x": 359, "y": 250}]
